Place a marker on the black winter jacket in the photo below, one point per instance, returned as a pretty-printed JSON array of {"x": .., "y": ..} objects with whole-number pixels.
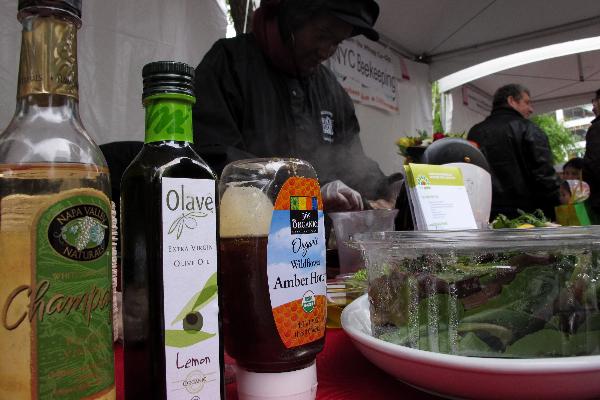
[
  {"x": 246, "y": 108},
  {"x": 523, "y": 176},
  {"x": 591, "y": 163}
]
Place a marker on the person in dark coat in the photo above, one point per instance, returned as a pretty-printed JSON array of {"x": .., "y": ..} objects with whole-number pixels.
[
  {"x": 519, "y": 155},
  {"x": 266, "y": 94},
  {"x": 591, "y": 159}
]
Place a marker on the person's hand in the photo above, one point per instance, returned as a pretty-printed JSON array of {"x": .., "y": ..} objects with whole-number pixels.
[{"x": 337, "y": 196}]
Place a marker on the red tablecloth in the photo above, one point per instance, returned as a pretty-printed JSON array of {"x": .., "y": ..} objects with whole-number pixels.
[{"x": 343, "y": 373}]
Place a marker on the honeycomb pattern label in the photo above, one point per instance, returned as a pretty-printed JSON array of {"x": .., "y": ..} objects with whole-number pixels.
[
  {"x": 298, "y": 187},
  {"x": 296, "y": 326}
]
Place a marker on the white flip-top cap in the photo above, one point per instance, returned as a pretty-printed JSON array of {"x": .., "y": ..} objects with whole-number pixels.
[{"x": 293, "y": 385}]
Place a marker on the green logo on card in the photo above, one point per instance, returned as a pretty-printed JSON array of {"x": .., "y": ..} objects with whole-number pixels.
[{"x": 422, "y": 180}]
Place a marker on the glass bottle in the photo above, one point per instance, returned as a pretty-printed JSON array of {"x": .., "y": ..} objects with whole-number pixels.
[
  {"x": 55, "y": 224},
  {"x": 169, "y": 211},
  {"x": 272, "y": 248}
]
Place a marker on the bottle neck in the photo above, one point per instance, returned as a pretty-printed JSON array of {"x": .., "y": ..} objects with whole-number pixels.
[
  {"x": 48, "y": 64},
  {"x": 50, "y": 107},
  {"x": 169, "y": 117}
]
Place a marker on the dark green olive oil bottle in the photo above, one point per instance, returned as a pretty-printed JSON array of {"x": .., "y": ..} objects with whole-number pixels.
[{"x": 169, "y": 212}]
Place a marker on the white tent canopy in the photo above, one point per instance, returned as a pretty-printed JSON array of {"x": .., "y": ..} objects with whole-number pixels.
[
  {"x": 451, "y": 35},
  {"x": 560, "y": 82}
]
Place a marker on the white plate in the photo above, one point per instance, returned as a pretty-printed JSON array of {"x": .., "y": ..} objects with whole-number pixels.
[{"x": 472, "y": 377}]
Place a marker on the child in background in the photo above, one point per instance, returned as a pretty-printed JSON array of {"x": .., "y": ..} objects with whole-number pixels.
[
  {"x": 574, "y": 191},
  {"x": 572, "y": 169}
]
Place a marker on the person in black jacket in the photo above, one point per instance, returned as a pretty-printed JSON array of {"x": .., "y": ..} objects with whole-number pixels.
[
  {"x": 591, "y": 159},
  {"x": 266, "y": 94},
  {"x": 518, "y": 152}
]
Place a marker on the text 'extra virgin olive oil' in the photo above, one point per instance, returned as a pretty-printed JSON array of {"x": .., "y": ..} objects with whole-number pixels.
[
  {"x": 169, "y": 214},
  {"x": 55, "y": 225}
]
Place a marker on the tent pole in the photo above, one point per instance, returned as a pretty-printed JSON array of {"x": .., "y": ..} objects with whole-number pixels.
[{"x": 246, "y": 16}]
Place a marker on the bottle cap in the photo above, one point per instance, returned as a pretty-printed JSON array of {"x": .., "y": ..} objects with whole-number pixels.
[
  {"x": 167, "y": 77},
  {"x": 71, "y": 6},
  {"x": 293, "y": 385}
]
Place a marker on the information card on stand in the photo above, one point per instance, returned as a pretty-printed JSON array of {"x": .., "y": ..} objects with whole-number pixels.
[{"x": 438, "y": 198}]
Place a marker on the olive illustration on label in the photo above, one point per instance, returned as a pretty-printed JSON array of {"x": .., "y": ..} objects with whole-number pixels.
[{"x": 193, "y": 321}]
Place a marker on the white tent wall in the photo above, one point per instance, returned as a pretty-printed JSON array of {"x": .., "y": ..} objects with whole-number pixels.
[
  {"x": 463, "y": 117},
  {"x": 380, "y": 130},
  {"x": 116, "y": 40}
]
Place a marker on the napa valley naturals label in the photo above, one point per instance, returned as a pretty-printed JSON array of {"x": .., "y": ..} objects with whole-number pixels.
[
  {"x": 189, "y": 218},
  {"x": 67, "y": 305},
  {"x": 296, "y": 263}
]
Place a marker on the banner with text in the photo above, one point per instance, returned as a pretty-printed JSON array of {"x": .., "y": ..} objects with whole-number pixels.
[{"x": 369, "y": 72}]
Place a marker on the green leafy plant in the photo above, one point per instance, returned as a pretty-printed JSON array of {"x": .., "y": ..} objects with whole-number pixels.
[
  {"x": 562, "y": 141},
  {"x": 436, "y": 99},
  {"x": 537, "y": 219}
]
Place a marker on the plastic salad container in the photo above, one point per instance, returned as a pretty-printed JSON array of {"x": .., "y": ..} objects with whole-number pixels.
[{"x": 507, "y": 293}]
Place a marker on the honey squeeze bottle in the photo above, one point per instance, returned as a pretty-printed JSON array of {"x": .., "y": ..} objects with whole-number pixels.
[{"x": 273, "y": 277}]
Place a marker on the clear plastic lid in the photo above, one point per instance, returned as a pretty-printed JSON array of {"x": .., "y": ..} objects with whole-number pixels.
[
  {"x": 266, "y": 174},
  {"x": 473, "y": 240},
  {"x": 506, "y": 293}
]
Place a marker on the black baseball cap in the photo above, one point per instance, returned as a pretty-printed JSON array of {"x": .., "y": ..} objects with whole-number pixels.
[{"x": 361, "y": 14}]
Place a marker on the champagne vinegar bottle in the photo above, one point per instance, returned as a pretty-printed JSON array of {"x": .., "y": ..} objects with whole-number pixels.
[
  {"x": 55, "y": 225},
  {"x": 169, "y": 211}
]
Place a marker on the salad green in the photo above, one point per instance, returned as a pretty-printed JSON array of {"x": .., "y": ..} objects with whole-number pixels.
[
  {"x": 536, "y": 219},
  {"x": 510, "y": 304}
]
